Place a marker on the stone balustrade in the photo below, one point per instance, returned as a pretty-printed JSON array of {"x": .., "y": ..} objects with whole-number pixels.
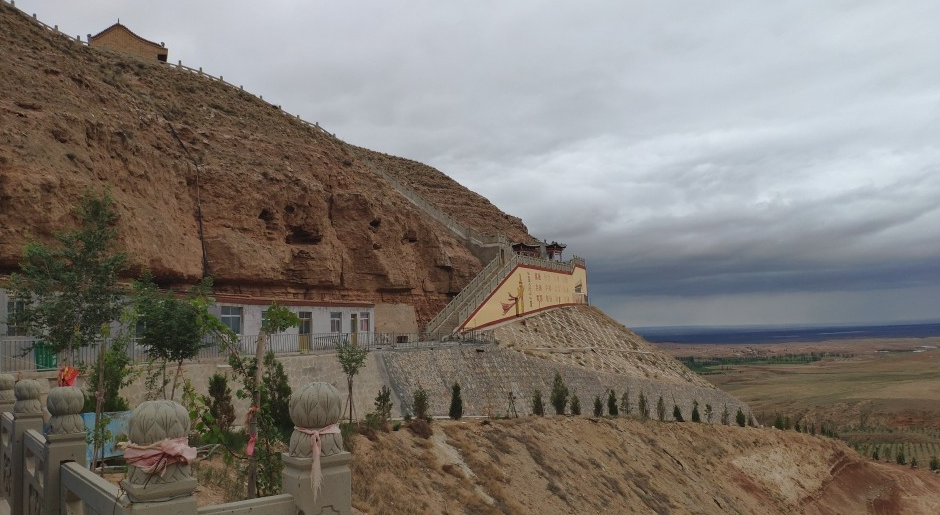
[{"x": 44, "y": 469}]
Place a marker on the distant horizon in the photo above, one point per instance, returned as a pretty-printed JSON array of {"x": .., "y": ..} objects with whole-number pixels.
[{"x": 732, "y": 327}]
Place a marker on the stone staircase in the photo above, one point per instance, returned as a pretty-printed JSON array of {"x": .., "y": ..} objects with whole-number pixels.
[{"x": 472, "y": 295}]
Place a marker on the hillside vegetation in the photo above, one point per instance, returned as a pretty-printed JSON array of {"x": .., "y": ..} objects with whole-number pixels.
[{"x": 569, "y": 465}]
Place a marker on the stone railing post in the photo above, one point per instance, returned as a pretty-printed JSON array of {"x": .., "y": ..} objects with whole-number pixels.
[
  {"x": 6, "y": 392},
  {"x": 27, "y": 414},
  {"x": 65, "y": 441},
  {"x": 317, "y": 406},
  {"x": 151, "y": 423},
  {"x": 6, "y": 409}
]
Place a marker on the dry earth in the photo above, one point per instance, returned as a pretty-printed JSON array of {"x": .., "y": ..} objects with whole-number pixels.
[
  {"x": 578, "y": 465},
  {"x": 898, "y": 389}
]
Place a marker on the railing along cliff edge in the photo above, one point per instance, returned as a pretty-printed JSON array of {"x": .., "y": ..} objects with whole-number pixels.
[{"x": 47, "y": 474}]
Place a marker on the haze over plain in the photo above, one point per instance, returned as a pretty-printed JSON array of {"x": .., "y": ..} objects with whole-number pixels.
[{"x": 726, "y": 163}]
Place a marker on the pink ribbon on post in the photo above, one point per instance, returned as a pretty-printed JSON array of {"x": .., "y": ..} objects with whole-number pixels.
[
  {"x": 316, "y": 446},
  {"x": 156, "y": 457}
]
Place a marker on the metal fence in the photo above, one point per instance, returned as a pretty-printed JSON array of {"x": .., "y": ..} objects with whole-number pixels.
[{"x": 31, "y": 354}]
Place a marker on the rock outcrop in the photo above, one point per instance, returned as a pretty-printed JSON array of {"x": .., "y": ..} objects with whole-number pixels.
[{"x": 288, "y": 210}]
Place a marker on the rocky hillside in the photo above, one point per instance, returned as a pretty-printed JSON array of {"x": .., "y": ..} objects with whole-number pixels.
[
  {"x": 287, "y": 209},
  {"x": 549, "y": 466}
]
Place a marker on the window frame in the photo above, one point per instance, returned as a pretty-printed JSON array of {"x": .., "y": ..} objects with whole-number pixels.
[{"x": 226, "y": 318}]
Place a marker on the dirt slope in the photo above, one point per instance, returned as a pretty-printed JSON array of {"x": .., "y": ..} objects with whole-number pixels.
[
  {"x": 559, "y": 466},
  {"x": 288, "y": 210}
]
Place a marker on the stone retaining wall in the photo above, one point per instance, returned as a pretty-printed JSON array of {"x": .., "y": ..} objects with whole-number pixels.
[{"x": 488, "y": 374}]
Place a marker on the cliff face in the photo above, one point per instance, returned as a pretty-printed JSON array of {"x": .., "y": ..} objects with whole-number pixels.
[{"x": 287, "y": 210}]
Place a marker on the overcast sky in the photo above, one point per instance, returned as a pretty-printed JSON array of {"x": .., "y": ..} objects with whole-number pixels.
[{"x": 723, "y": 162}]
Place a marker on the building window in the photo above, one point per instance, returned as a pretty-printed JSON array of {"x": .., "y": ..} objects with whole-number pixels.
[
  {"x": 14, "y": 307},
  {"x": 364, "y": 322},
  {"x": 336, "y": 322},
  {"x": 306, "y": 322},
  {"x": 232, "y": 318}
]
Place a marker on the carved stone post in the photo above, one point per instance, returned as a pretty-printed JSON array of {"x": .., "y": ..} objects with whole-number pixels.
[
  {"x": 6, "y": 410},
  {"x": 27, "y": 414},
  {"x": 65, "y": 441},
  {"x": 6, "y": 392},
  {"x": 172, "y": 492},
  {"x": 316, "y": 406}
]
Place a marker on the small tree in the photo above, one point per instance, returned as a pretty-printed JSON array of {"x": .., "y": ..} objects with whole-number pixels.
[
  {"x": 220, "y": 402},
  {"x": 598, "y": 406},
  {"x": 575, "y": 405},
  {"x": 383, "y": 407},
  {"x": 612, "y": 403},
  {"x": 456, "y": 403},
  {"x": 934, "y": 463},
  {"x": 696, "y": 417},
  {"x": 900, "y": 459},
  {"x": 643, "y": 406},
  {"x": 740, "y": 418},
  {"x": 174, "y": 330},
  {"x": 625, "y": 407},
  {"x": 419, "y": 402},
  {"x": 875, "y": 456},
  {"x": 70, "y": 292},
  {"x": 538, "y": 407},
  {"x": 559, "y": 397},
  {"x": 725, "y": 416},
  {"x": 117, "y": 374},
  {"x": 275, "y": 395},
  {"x": 677, "y": 413},
  {"x": 352, "y": 358},
  {"x": 913, "y": 462},
  {"x": 661, "y": 409},
  {"x": 708, "y": 413}
]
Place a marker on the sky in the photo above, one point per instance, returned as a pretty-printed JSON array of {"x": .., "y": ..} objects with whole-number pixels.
[{"x": 716, "y": 163}]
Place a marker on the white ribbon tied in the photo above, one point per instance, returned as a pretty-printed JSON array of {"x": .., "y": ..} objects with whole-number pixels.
[{"x": 316, "y": 446}]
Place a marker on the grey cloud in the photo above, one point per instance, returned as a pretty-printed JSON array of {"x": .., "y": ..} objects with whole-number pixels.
[{"x": 737, "y": 153}]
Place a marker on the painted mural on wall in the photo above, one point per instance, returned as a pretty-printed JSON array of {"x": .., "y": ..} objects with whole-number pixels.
[{"x": 529, "y": 290}]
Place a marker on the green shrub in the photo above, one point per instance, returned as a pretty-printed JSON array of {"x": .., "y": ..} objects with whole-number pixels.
[
  {"x": 383, "y": 407},
  {"x": 725, "y": 416},
  {"x": 456, "y": 403},
  {"x": 661, "y": 409},
  {"x": 875, "y": 456},
  {"x": 643, "y": 406},
  {"x": 220, "y": 401},
  {"x": 625, "y": 407},
  {"x": 740, "y": 418},
  {"x": 677, "y": 413},
  {"x": 696, "y": 417},
  {"x": 900, "y": 459},
  {"x": 934, "y": 463},
  {"x": 538, "y": 407},
  {"x": 575, "y": 405},
  {"x": 612, "y": 403},
  {"x": 419, "y": 403},
  {"x": 559, "y": 397},
  {"x": 598, "y": 406}
]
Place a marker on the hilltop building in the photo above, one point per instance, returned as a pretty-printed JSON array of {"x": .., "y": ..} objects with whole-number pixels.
[{"x": 121, "y": 39}]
